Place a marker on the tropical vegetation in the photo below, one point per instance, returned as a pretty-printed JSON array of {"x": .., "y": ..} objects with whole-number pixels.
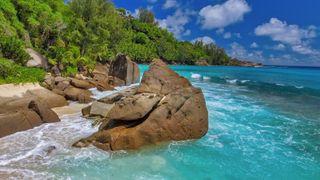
[{"x": 79, "y": 33}]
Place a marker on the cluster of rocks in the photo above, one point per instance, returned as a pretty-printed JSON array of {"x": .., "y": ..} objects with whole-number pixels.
[
  {"x": 164, "y": 107},
  {"x": 104, "y": 77},
  {"x": 35, "y": 107},
  {"x": 29, "y": 111}
]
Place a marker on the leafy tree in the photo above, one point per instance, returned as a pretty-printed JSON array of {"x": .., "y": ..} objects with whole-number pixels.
[
  {"x": 78, "y": 33},
  {"x": 146, "y": 16}
]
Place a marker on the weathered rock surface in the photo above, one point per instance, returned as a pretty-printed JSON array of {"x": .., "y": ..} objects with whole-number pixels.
[
  {"x": 82, "y": 84},
  {"x": 37, "y": 60},
  {"x": 23, "y": 114},
  {"x": 77, "y": 94},
  {"x": 47, "y": 97},
  {"x": 104, "y": 77},
  {"x": 70, "y": 88},
  {"x": 134, "y": 107},
  {"x": 161, "y": 79},
  {"x": 124, "y": 69},
  {"x": 163, "y": 107},
  {"x": 100, "y": 109}
]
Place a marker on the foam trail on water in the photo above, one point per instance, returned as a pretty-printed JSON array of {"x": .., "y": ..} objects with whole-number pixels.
[
  {"x": 195, "y": 76},
  {"x": 96, "y": 94}
]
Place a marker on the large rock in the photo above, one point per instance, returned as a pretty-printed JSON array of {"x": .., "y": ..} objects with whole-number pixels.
[
  {"x": 23, "y": 114},
  {"x": 161, "y": 79},
  {"x": 164, "y": 107},
  {"x": 134, "y": 107},
  {"x": 37, "y": 60},
  {"x": 47, "y": 97},
  {"x": 81, "y": 83},
  {"x": 100, "y": 109},
  {"x": 124, "y": 69},
  {"x": 77, "y": 94}
]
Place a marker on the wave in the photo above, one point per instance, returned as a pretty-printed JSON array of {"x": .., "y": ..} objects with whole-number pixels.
[
  {"x": 232, "y": 81},
  {"x": 195, "y": 76},
  {"x": 280, "y": 89}
]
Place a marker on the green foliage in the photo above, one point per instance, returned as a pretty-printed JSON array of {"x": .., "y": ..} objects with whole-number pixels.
[
  {"x": 140, "y": 38},
  {"x": 138, "y": 52},
  {"x": 146, "y": 16},
  {"x": 14, "y": 73},
  {"x": 13, "y": 48},
  {"x": 6, "y": 68},
  {"x": 83, "y": 32}
]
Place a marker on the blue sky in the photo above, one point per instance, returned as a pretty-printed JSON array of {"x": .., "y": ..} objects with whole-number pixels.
[{"x": 279, "y": 32}]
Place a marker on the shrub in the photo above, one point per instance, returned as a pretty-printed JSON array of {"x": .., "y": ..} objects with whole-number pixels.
[
  {"x": 13, "y": 48},
  {"x": 6, "y": 68},
  {"x": 14, "y": 73}
]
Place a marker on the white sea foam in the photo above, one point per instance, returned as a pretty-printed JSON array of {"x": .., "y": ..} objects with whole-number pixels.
[
  {"x": 233, "y": 81},
  {"x": 206, "y": 78},
  {"x": 244, "y": 81},
  {"x": 39, "y": 146},
  {"x": 96, "y": 94},
  {"x": 195, "y": 76}
]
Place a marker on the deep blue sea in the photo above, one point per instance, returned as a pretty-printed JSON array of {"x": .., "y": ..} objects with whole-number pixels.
[{"x": 264, "y": 123}]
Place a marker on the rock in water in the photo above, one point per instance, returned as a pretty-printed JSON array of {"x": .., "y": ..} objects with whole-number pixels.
[
  {"x": 124, "y": 69},
  {"x": 161, "y": 79},
  {"x": 164, "y": 107},
  {"x": 23, "y": 114}
]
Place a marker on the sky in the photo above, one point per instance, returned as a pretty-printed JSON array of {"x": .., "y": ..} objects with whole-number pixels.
[{"x": 274, "y": 32}]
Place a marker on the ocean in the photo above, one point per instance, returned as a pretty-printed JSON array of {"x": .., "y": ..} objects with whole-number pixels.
[{"x": 264, "y": 123}]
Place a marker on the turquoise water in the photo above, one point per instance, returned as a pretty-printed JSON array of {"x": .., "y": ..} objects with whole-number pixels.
[{"x": 264, "y": 124}]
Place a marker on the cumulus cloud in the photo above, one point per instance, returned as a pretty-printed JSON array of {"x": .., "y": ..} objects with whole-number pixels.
[
  {"x": 227, "y": 35},
  {"x": 222, "y": 15},
  {"x": 170, "y": 4},
  {"x": 279, "y": 47},
  {"x": 254, "y": 45},
  {"x": 281, "y": 31},
  {"x": 205, "y": 40},
  {"x": 292, "y": 35},
  {"x": 176, "y": 23},
  {"x": 238, "y": 51}
]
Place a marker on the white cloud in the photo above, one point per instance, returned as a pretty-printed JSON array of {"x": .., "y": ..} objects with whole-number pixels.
[
  {"x": 254, "y": 45},
  {"x": 238, "y": 51},
  {"x": 170, "y": 4},
  {"x": 238, "y": 35},
  {"x": 220, "y": 31},
  {"x": 205, "y": 40},
  {"x": 306, "y": 50},
  {"x": 187, "y": 32},
  {"x": 227, "y": 35},
  {"x": 285, "y": 33},
  {"x": 135, "y": 14},
  {"x": 176, "y": 23},
  {"x": 279, "y": 47},
  {"x": 222, "y": 15},
  {"x": 292, "y": 35}
]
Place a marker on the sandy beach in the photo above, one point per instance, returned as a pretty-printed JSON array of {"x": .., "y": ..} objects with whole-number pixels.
[{"x": 17, "y": 90}]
